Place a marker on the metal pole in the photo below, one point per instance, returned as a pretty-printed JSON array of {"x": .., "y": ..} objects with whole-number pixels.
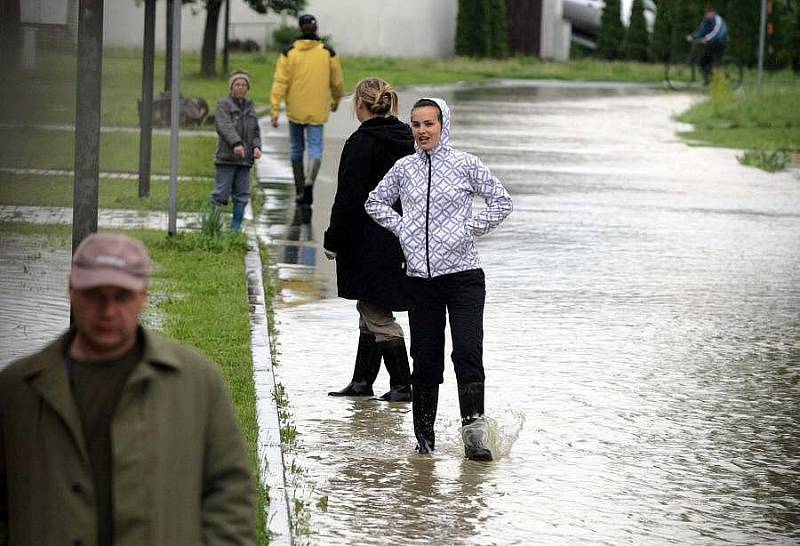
[
  {"x": 146, "y": 115},
  {"x": 762, "y": 38},
  {"x": 225, "y": 69},
  {"x": 87, "y": 120},
  {"x": 175, "y": 112}
]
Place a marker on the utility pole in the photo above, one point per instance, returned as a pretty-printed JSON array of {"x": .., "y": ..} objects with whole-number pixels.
[
  {"x": 146, "y": 114},
  {"x": 225, "y": 69},
  {"x": 175, "y": 112},
  {"x": 762, "y": 38},
  {"x": 87, "y": 120}
]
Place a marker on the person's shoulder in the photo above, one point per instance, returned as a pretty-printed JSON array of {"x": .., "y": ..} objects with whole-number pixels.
[
  {"x": 287, "y": 50},
  {"x": 165, "y": 351},
  {"x": 329, "y": 49},
  {"x": 17, "y": 370}
]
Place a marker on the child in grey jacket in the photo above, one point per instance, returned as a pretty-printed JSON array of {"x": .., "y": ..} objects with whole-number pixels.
[
  {"x": 437, "y": 228},
  {"x": 239, "y": 145}
]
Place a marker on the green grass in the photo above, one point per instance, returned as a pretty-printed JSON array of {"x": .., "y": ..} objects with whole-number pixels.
[
  {"x": 48, "y": 96},
  {"x": 119, "y": 152},
  {"x": 204, "y": 290},
  {"x": 56, "y": 191},
  {"x": 751, "y": 118}
]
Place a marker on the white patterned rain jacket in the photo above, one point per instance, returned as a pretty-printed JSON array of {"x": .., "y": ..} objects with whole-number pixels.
[{"x": 436, "y": 189}]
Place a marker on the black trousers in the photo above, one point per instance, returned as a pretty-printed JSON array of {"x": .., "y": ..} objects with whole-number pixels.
[
  {"x": 712, "y": 54},
  {"x": 459, "y": 296}
]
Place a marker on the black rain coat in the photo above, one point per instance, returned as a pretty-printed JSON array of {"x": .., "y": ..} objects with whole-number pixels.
[{"x": 369, "y": 262}]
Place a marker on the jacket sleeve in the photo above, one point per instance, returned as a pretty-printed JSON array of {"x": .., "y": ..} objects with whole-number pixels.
[
  {"x": 498, "y": 202},
  {"x": 225, "y": 127},
  {"x": 380, "y": 200},
  {"x": 351, "y": 193},
  {"x": 256, "y": 131},
  {"x": 705, "y": 27},
  {"x": 228, "y": 503},
  {"x": 337, "y": 81},
  {"x": 280, "y": 82}
]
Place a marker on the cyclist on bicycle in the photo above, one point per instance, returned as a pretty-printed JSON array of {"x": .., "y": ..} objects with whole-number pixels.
[{"x": 713, "y": 32}]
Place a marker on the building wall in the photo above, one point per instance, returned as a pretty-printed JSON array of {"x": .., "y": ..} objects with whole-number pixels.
[
  {"x": 393, "y": 28},
  {"x": 123, "y": 24}
]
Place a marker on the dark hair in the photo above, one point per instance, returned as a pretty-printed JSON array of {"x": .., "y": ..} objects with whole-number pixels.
[
  {"x": 423, "y": 103},
  {"x": 711, "y": 7}
]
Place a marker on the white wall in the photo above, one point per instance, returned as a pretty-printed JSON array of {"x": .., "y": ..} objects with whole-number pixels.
[
  {"x": 392, "y": 28},
  {"x": 123, "y": 24}
]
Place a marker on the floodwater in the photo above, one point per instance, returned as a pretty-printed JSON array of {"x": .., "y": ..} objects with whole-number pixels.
[
  {"x": 34, "y": 305},
  {"x": 642, "y": 341}
]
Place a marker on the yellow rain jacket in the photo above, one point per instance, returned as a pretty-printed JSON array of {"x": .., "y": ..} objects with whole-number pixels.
[{"x": 308, "y": 76}]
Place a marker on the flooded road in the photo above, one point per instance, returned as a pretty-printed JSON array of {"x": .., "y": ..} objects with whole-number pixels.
[{"x": 642, "y": 342}]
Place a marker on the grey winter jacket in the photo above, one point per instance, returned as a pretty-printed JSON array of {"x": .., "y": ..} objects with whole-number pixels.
[
  {"x": 437, "y": 228},
  {"x": 235, "y": 126}
]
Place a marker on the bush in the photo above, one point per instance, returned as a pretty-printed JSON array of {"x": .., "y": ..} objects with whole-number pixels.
[
  {"x": 637, "y": 39},
  {"x": 283, "y": 36},
  {"x": 482, "y": 28},
  {"x": 612, "y": 31},
  {"x": 770, "y": 161}
]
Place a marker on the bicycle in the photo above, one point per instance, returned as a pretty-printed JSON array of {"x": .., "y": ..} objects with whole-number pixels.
[{"x": 685, "y": 72}]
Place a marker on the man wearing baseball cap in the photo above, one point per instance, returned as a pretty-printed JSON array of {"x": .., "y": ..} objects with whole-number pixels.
[
  {"x": 308, "y": 76},
  {"x": 115, "y": 435}
]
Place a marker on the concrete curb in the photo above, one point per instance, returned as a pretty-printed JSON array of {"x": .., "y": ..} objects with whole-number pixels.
[{"x": 270, "y": 453}]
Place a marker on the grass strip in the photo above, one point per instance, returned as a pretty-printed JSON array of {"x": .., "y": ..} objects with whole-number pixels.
[{"x": 766, "y": 118}]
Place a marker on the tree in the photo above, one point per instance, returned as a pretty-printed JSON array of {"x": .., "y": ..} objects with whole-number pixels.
[
  {"x": 498, "y": 29},
  {"x": 208, "y": 55},
  {"x": 794, "y": 39},
  {"x": 482, "y": 28},
  {"x": 208, "y": 52},
  {"x": 660, "y": 46},
  {"x": 637, "y": 39},
  {"x": 612, "y": 31}
]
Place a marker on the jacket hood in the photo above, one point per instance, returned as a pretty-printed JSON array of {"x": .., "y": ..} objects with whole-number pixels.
[
  {"x": 307, "y": 41},
  {"x": 391, "y": 132},
  {"x": 444, "y": 141}
]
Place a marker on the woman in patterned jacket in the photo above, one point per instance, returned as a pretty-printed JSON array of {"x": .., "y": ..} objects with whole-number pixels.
[{"x": 437, "y": 229}]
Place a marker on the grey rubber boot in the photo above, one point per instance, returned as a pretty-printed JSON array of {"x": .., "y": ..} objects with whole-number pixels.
[
  {"x": 368, "y": 363},
  {"x": 395, "y": 358},
  {"x": 299, "y": 173},
  {"x": 424, "y": 406},
  {"x": 311, "y": 177},
  {"x": 474, "y": 430}
]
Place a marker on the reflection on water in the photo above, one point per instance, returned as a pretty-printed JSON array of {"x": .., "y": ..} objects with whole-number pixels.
[{"x": 642, "y": 321}]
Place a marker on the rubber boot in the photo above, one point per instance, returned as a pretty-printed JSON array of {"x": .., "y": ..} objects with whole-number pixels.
[
  {"x": 368, "y": 363},
  {"x": 423, "y": 408},
  {"x": 395, "y": 358},
  {"x": 299, "y": 180},
  {"x": 474, "y": 429},
  {"x": 308, "y": 189},
  {"x": 238, "y": 216}
]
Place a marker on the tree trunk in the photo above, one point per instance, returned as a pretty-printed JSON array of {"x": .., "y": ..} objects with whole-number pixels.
[{"x": 208, "y": 56}]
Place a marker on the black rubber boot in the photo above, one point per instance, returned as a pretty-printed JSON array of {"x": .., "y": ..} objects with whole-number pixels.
[
  {"x": 368, "y": 363},
  {"x": 299, "y": 173},
  {"x": 311, "y": 177},
  {"x": 474, "y": 430},
  {"x": 426, "y": 401},
  {"x": 395, "y": 358}
]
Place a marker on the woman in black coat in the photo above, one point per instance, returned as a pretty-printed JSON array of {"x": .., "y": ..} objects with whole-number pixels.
[{"x": 369, "y": 261}]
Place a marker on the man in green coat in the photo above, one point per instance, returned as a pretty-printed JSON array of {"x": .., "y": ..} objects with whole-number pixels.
[{"x": 112, "y": 435}]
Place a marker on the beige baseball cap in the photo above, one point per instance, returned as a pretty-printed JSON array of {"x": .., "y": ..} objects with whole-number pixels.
[{"x": 104, "y": 259}]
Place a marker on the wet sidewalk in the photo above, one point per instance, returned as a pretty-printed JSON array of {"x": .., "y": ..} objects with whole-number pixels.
[{"x": 641, "y": 341}]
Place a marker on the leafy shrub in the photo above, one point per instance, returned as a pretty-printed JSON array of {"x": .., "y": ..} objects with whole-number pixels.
[{"x": 770, "y": 161}]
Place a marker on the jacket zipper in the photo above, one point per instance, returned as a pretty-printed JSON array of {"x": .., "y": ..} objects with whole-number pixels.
[{"x": 428, "y": 219}]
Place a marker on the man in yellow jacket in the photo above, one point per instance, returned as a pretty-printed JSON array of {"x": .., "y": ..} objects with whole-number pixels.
[{"x": 308, "y": 76}]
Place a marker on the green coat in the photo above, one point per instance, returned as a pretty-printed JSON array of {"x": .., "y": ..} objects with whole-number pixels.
[{"x": 180, "y": 472}]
